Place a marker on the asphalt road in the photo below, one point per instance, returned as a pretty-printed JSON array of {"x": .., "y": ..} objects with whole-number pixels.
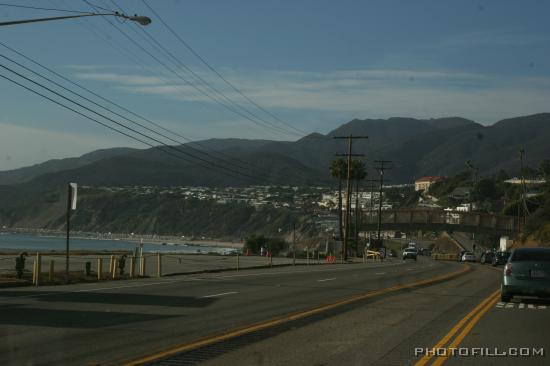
[{"x": 116, "y": 322}]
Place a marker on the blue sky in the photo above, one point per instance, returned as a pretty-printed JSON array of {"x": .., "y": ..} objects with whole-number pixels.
[{"x": 315, "y": 64}]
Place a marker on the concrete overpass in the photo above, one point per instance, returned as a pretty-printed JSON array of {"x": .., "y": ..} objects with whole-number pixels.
[{"x": 439, "y": 220}]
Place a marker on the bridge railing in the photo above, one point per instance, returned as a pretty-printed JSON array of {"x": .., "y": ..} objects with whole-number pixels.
[{"x": 472, "y": 220}]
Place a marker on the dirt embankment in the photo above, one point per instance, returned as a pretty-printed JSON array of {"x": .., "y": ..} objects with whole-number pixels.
[{"x": 446, "y": 245}]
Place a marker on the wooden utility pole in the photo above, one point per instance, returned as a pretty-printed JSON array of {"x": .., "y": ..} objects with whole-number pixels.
[
  {"x": 380, "y": 166},
  {"x": 371, "y": 201},
  {"x": 348, "y": 190},
  {"x": 523, "y": 188}
]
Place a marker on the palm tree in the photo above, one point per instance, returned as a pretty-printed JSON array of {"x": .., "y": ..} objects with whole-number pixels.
[
  {"x": 338, "y": 169},
  {"x": 358, "y": 173}
]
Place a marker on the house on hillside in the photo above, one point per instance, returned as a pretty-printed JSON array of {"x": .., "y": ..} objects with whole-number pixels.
[
  {"x": 460, "y": 193},
  {"x": 423, "y": 183}
]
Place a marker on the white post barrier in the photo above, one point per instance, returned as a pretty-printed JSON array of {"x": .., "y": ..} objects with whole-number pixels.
[
  {"x": 52, "y": 270},
  {"x": 159, "y": 265},
  {"x": 132, "y": 266},
  {"x": 142, "y": 266},
  {"x": 115, "y": 267},
  {"x": 99, "y": 268},
  {"x": 34, "y": 272},
  {"x": 38, "y": 268}
]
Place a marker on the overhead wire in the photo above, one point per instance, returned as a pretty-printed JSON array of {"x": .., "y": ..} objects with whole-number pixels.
[
  {"x": 135, "y": 59},
  {"x": 178, "y": 75},
  {"x": 200, "y": 79},
  {"x": 90, "y": 110},
  {"x": 211, "y": 68},
  {"x": 104, "y": 99},
  {"x": 172, "y": 148},
  {"x": 41, "y": 8}
]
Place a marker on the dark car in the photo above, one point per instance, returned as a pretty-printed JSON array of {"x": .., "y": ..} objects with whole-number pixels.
[
  {"x": 487, "y": 257},
  {"x": 526, "y": 273},
  {"x": 500, "y": 258}
]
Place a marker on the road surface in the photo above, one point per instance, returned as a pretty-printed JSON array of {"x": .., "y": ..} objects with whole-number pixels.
[{"x": 359, "y": 314}]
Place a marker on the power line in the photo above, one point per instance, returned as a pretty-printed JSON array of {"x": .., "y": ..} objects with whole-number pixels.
[
  {"x": 172, "y": 148},
  {"x": 209, "y": 66},
  {"x": 107, "y": 109},
  {"x": 214, "y": 98},
  {"x": 118, "y": 48},
  {"x": 40, "y": 8}
]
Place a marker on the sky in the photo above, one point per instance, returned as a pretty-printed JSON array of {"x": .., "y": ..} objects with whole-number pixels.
[{"x": 313, "y": 65}]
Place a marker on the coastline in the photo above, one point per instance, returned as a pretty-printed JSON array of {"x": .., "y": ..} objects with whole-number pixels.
[{"x": 147, "y": 239}]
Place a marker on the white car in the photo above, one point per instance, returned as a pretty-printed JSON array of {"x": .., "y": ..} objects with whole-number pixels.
[{"x": 468, "y": 257}]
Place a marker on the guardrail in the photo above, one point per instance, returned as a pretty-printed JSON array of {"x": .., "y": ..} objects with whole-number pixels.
[{"x": 444, "y": 257}]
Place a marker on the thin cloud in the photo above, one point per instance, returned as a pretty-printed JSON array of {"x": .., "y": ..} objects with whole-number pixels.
[{"x": 362, "y": 93}]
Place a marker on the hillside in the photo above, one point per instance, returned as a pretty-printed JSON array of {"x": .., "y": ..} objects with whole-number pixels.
[
  {"x": 417, "y": 147},
  {"x": 161, "y": 214},
  {"x": 26, "y": 174}
]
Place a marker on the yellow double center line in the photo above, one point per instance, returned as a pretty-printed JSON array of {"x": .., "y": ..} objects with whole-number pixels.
[
  {"x": 466, "y": 324},
  {"x": 289, "y": 317}
]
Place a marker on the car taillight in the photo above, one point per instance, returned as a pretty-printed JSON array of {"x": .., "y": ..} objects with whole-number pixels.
[{"x": 508, "y": 269}]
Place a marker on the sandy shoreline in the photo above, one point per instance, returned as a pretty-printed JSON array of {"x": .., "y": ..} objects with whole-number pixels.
[{"x": 121, "y": 237}]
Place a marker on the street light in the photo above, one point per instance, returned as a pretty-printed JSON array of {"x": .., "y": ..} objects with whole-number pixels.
[{"x": 143, "y": 20}]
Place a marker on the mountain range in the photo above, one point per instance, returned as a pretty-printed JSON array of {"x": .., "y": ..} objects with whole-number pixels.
[{"x": 417, "y": 147}]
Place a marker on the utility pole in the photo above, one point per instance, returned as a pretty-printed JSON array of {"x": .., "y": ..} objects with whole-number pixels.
[
  {"x": 371, "y": 203},
  {"x": 380, "y": 166},
  {"x": 473, "y": 179},
  {"x": 293, "y": 243},
  {"x": 523, "y": 188},
  {"x": 348, "y": 206}
]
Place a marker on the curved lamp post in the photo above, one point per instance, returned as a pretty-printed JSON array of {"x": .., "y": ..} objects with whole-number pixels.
[{"x": 143, "y": 20}]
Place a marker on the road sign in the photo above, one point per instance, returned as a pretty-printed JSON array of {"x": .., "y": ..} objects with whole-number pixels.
[{"x": 73, "y": 195}]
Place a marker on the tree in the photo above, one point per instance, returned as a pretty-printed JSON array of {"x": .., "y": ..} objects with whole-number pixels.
[
  {"x": 485, "y": 189},
  {"x": 544, "y": 168},
  {"x": 338, "y": 169}
]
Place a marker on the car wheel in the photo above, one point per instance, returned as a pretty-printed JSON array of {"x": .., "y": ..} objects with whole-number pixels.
[{"x": 506, "y": 296}]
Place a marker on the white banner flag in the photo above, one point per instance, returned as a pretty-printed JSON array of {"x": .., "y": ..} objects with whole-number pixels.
[{"x": 73, "y": 196}]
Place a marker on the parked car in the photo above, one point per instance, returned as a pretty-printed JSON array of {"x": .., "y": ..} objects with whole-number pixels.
[
  {"x": 487, "y": 257},
  {"x": 410, "y": 253},
  {"x": 468, "y": 257},
  {"x": 459, "y": 255},
  {"x": 500, "y": 258},
  {"x": 527, "y": 273}
]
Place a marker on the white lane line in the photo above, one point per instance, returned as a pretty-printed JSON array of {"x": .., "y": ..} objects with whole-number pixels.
[
  {"x": 380, "y": 273},
  {"x": 306, "y": 271},
  {"x": 327, "y": 279},
  {"x": 222, "y": 294}
]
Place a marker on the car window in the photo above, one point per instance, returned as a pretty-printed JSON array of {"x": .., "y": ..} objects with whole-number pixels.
[{"x": 530, "y": 255}]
